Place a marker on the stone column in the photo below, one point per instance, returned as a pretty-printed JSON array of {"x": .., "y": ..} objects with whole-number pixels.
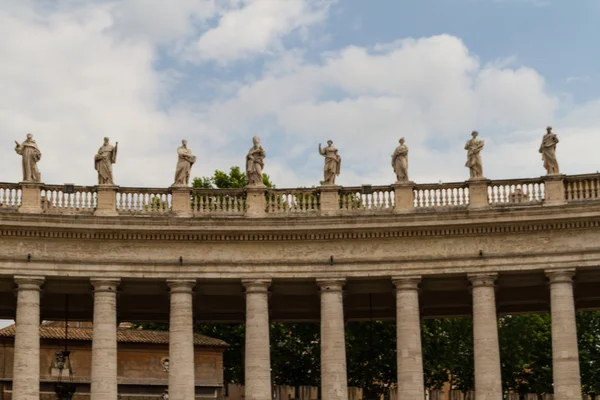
[
  {"x": 488, "y": 379},
  {"x": 408, "y": 331},
  {"x": 257, "y": 354},
  {"x": 104, "y": 340},
  {"x": 181, "y": 341},
  {"x": 26, "y": 367},
  {"x": 565, "y": 354},
  {"x": 334, "y": 382}
]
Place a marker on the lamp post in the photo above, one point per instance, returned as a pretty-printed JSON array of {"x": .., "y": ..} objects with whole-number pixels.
[{"x": 65, "y": 390}]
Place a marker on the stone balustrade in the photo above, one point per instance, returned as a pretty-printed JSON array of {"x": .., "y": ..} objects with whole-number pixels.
[{"x": 322, "y": 200}]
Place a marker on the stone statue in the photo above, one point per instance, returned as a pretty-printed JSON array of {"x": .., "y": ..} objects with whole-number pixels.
[
  {"x": 333, "y": 163},
  {"x": 31, "y": 155},
  {"x": 400, "y": 162},
  {"x": 103, "y": 161},
  {"x": 255, "y": 163},
  {"x": 548, "y": 150},
  {"x": 474, "y": 147},
  {"x": 165, "y": 395},
  {"x": 164, "y": 362},
  {"x": 184, "y": 165}
]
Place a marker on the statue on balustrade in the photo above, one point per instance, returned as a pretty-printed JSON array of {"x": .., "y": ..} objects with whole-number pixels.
[
  {"x": 474, "y": 147},
  {"x": 548, "y": 150},
  {"x": 333, "y": 163},
  {"x": 31, "y": 155},
  {"x": 103, "y": 161},
  {"x": 255, "y": 163},
  {"x": 400, "y": 162},
  {"x": 184, "y": 165}
]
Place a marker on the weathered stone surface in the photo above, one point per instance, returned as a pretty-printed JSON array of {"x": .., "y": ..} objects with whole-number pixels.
[
  {"x": 548, "y": 151},
  {"x": 474, "y": 147},
  {"x": 30, "y": 154},
  {"x": 333, "y": 163}
]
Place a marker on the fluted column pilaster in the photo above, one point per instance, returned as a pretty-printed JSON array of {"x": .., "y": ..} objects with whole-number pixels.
[
  {"x": 488, "y": 378},
  {"x": 565, "y": 353},
  {"x": 181, "y": 341},
  {"x": 334, "y": 381},
  {"x": 408, "y": 334},
  {"x": 26, "y": 366},
  {"x": 258, "y": 352},
  {"x": 104, "y": 385}
]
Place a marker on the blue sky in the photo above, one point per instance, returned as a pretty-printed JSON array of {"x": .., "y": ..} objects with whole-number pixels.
[{"x": 149, "y": 73}]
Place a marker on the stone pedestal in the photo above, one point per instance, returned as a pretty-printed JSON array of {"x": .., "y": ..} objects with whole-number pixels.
[
  {"x": 334, "y": 381},
  {"x": 26, "y": 364},
  {"x": 257, "y": 363},
  {"x": 31, "y": 198},
  {"x": 104, "y": 384},
  {"x": 329, "y": 199},
  {"x": 554, "y": 190},
  {"x": 488, "y": 379},
  {"x": 565, "y": 354},
  {"x": 181, "y": 198},
  {"x": 404, "y": 197},
  {"x": 181, "y": 341},
  {"x": 106, "y": 201},
  {"x": 478, "y": 193},
  {"x": 256, "y": 202},
  {"x": 408, "y": 330}
]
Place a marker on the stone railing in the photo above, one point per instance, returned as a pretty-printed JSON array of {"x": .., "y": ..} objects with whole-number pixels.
[{"x": 323, "y": 200}]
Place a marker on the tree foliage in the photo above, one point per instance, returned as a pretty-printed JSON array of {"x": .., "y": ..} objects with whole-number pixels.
[{"x": 223, "y": 180}]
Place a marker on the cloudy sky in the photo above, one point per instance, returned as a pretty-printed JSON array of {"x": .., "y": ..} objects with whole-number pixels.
[{"x": 149, "y": 73}]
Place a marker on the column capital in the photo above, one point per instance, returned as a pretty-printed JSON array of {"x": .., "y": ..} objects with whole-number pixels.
[
  {"x": 29, "y": 282},
  {"x": 105, "y": 285},
  {"x": 483, "y": 279},
  {"x": 256, "y": 285},
  {"x": 410, "y": 282},
  {"x": 331, "y": 284},
  {"x": 181, "y": 285},
  {"x": 561, "y": 275}
]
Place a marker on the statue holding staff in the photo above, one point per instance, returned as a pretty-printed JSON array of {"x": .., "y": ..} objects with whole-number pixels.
[
  {"x": 31, "y": 155},
  {"x": 474, "y": 147},
  {"x": 255, "y": 163},
  {"x": 400, "y": 162},
  {"x": 548, "y": 150},
  {"x": 332, "y": 162},
  {"x": 103, "y": 161},
  {"x": 185, "y": 160}
]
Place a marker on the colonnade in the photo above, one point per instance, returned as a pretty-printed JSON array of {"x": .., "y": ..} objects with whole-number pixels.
[{"x": 488, "y": 385}]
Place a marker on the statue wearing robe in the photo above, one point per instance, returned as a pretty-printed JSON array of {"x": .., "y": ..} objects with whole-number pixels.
[
  {"x": 185, "y": 161},
  {"x": 31, "y": 155},
  {"x": 400, "y": 162},
  {"x": 332, "y": 163},
  {"x": 474, "y": 147},
  {"x": 103, "y": 161},
  {"x": 548, "y": 150},
  {"x": 255, "y": 163}
]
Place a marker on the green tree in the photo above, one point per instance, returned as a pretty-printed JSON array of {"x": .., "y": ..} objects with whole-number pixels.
[
  {"x": 235, "y": 179},
  {"x": 588, "y": 329}
]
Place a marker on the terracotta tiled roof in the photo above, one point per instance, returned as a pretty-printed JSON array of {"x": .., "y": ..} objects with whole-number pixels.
[{"x": 123, "y": 335}]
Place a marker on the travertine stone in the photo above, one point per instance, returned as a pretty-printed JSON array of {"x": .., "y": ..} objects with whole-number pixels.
[
  {"x": 257, "y": 355},
  {"x": 474, "y": 147},
  {"x": 400, "y": 162},
  {"x": 565, "y": 355},
  {"x": 185, "y": 160},
  {"x": 478, "y": 194},
  {"x": 30, "y": 154},
  {"x": 548, "y": 151},
  {"x": 26, "y": 367},
  {"x": 255, "y": 162},
  {"x": 333, "y": 163},
  {"x": 408, "y": 330},
  {"x": 103, "y": 161},
  {"x": 329, "y": 199},
  {"x": 106, "y": 201},
  {"x": 180, "y": 201},
  {"x": 256, "y": 202},
  {"x": 334, "y": 380},
  {"x": 488, "y": 379},
  {"x": 404, "y": 197},
  {"x": 554, "y": 192},
  {"x": 31, "y": 198},
  {"x": 104, "y": 340},
  {"x": 181, "y": 341}
]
